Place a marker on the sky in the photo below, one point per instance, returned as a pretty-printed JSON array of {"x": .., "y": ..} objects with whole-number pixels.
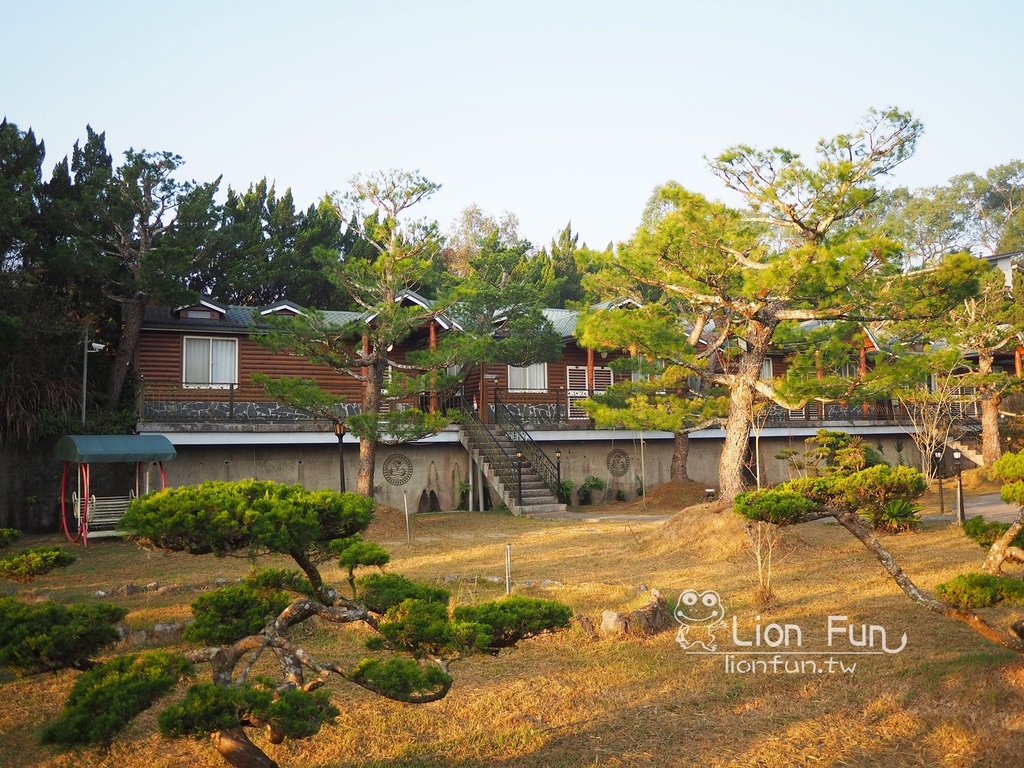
[{"x": 559, "y": 112}]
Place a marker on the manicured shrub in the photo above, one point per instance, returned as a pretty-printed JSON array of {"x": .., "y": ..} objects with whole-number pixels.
[
  {"x": 207, "y": 708},
  {"x": 228, "y": 614},
  {"x": 986, "y": 533},
  {"x": 104, "y": 699},
  {"x": 778, "y": 506},
  {"x": 40, "y": 637},
  {"x": 980, "y": 590},
  {"x": 25, "y": 566},
  {"x": 515, "y": 618},
  {"x": 381, "y": 591}
]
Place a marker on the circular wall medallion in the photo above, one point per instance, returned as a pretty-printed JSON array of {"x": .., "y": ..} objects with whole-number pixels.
[
  {"x": 618, "y": 462},
  {"x": 397, "y": 469}
]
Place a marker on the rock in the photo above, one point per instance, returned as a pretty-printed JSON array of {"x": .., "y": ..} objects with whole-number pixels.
[
  {"x": 153, "y": 586},
  {"x": 138, "y": 637},
  {"x": 99, "y": 593},
  {"x": 167, "y": 633},
  {"x": 549, "y": 584},
  {"x": 612, "y": 623}
]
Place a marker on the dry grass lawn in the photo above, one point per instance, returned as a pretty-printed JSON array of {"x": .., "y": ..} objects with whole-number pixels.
[{"x": 948, "y": 699}]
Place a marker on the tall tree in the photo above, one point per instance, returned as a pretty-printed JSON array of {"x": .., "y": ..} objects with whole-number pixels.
[
  {"x": 140, "y": 232},
  {"x": 266, "y": 250},
  {"x": 797, "y": 253},
  {"x": 397, "y": 256},
  {"x": 498, "y": 305},
  {"x": 994, "y": 205}
]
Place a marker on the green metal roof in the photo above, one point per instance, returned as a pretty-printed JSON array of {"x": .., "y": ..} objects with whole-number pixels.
[{"x": 90, "y": 449}]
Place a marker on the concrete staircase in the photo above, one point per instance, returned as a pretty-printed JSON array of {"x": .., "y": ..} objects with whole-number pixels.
[{"x": 536, "y": 495}]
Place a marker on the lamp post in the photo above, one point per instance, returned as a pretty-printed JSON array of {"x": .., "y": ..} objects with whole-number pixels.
[
  {"x": 339, "y": 430},
  {"x": 937, "y": 466},
  {"x": 86, "y": 349},
  {"x": 958, "y": 467},
  {"x": 519, "y": 473}
]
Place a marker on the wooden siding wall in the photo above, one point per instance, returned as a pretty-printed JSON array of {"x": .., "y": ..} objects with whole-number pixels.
[{"x": 160, "y": 354}]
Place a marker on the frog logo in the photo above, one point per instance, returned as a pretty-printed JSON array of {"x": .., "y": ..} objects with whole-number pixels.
[{"x": 699, "y": 614}]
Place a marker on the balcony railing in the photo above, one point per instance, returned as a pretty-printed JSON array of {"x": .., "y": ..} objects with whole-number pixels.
[{"x": 170, "y": 402}]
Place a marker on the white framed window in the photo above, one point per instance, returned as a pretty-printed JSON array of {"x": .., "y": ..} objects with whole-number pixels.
[
  {"x": 210, "y": 362},
  {"x": 766, "y": 369},
  {"x": 532, "y": 378}
]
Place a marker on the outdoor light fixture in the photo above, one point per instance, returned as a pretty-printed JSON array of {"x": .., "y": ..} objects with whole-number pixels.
[
  {"x": 937, "y": 464},
  {"x": 519, "y": 473},
  {"x": 958, "y": 467},
  {"x": 339, "y": 430}
]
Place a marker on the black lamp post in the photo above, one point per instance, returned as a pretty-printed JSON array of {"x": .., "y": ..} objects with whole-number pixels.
[
  {"x": 958, "y": 467},
  {"x": 937, "y": 466},
  {"x": 519, "y": 473},
  {"x": 339, "y": 430},
  {"x": 558, "y": 473}
]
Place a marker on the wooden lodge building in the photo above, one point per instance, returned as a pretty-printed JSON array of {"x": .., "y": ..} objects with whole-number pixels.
[{"x": 519, "y": 430}]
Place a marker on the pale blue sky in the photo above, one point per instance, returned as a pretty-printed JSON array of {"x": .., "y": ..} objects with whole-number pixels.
[{"x": 555, "y": 111}]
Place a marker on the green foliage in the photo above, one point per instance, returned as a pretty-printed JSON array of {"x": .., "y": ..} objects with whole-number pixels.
[
  {"x": 230, "y": 613},
  {"x": 398, "y": 677},
  {"x": 1010, "y": 469},
  {"x": 280, "y": 578},
  {"x": 207, "y": 708},
  {"x": 515, "y": 618},
  {"x": 25, "y": 566},
  {"x": 353, "y": 552},
  {"x": 899, "y": 515},
  {"x": 8, "y": 536},
  {"x": 587, "y": 488},
  {"x": 423, "y": 628},
  {"x": 565, "y": 491},
  {"x": 104, "y": 699},
  {"x": 831, "y": 454},
  {"x": 397, "y": 426},
  {"x": 302, "y": 394},
  {"x": 869, "y": 491},
  {"x": 382, "y": 591},
  {"x": 258, "y": 515},
  {"x": 980, "y": 590},
  {"x": 986, "y": 533},
  {"x": 776, "y": 506},
  {"x": 47, "y": 636}
]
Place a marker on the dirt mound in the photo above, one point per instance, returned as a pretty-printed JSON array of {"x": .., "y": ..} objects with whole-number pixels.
[
  {"x": 704, "y": 530},
  {"x": 668, "y": 498}
]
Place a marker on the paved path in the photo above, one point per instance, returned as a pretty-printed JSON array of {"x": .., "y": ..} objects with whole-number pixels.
[{"x": 989, "y": 506}]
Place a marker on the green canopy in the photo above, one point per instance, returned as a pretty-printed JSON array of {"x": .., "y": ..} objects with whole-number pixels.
[{"x": 89, "y": 449}]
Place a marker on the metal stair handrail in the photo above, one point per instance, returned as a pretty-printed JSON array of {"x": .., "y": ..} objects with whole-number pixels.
[
  {"x": 523, "y": 442},
  {"x": 481, "y": 438}
]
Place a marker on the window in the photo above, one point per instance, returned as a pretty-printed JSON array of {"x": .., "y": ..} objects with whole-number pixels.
[
  {"x": 210, "y": 362},
  {"x": 531, "y": 378},
  {"x": 766, "y": 369}
]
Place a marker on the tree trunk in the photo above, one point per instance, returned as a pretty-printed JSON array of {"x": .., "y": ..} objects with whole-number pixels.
[
  {"x": 990, "y": 399},
  {"x": 236, "y": 749},
  {"x": 973, "y": 620},
  {"x": 368, "y": 443},
  {"x": 1002, "y": 549},
  {"x": 131, "y": 327},
  {"x": 737, "y": 439},
  {"x": 680, "y": 452},
  {"x": 741, "y": 408}
]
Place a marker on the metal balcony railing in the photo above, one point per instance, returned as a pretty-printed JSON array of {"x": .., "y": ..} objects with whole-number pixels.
[{"x": 517, "y": 433}]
